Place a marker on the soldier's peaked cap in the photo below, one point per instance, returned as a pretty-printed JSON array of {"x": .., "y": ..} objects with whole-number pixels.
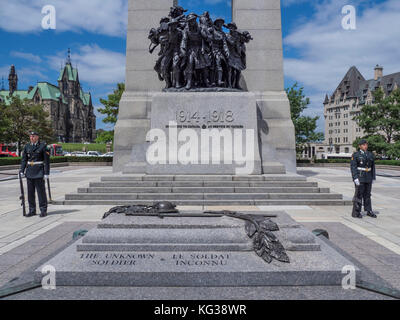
[
  {"x": 33, "y": 133},
  {"x": 178, "y": 8},
  {"x": 219, "y": 20},
  {"x": 164, "y": 19},
  {"x": 232, "y": 26},
  {"x": 362, "y": 141},
  {"x": 191, "y": 16}
]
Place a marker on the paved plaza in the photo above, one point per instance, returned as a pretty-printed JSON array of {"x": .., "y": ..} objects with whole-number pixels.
[{"x": 24, "y": 242}]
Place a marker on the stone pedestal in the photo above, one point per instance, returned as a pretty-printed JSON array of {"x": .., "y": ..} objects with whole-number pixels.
[
  {"x": 206, "y": 133},
  {"x": 193, "y": 252}
]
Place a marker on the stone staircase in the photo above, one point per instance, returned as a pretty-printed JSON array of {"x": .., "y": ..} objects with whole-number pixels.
[{"x": 210, "y": 190}]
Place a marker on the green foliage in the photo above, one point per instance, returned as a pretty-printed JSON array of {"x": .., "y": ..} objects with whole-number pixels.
[
  {"x": 377, "y": 162},
  {"x": 4, "y": 123},
  {"x": 381, "y": 123},
  {"x": 332, "y": 161},
  {"x": 105, "y": 137},
  {"x": 111, "y": 105},
  {"x": 20, "y": 117},
  {"x": 17, "y": 161},
  {"x": 304, "y": 126},
  {"x": 71, "y": 147},
  {"x": 89, "y": 159}
]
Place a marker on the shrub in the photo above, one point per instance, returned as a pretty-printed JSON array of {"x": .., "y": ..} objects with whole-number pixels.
[
  {"x": 71, "y": 147},
  {"x": 17, "y": 161}
]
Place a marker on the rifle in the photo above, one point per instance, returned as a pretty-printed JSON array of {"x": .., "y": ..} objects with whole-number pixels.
[
  {"x": 22, "y": 197},
  {"x": 48, "y": 188},
  {"x": 357, "y": 202}
]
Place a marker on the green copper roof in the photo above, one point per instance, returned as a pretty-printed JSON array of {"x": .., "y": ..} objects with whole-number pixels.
[
  {"x": 85, "y": 97},
  {"x": 48, "y": 91},
  {"x": 72, "y": 73},
  {"x": 5, "y": 95}
]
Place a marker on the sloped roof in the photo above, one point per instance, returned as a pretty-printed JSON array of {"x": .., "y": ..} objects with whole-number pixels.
[
  {"x": 350, "y": 84},
  {"x": 72, "y": 73},
  {"x": 85, "y": 97},
  {"x": 47, "y": 91},
  {"x": 386, "y": 82},
  {"x": 5, "y": 95}
]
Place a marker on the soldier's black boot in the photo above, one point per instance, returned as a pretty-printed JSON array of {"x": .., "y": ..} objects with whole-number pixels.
[
  {"x": 189, "y": 81},
  {"x": 177, "y": 80},
  {"x": 356, "y": 211},
  {"x": 43, "y": 214},
  {"x": 238, "y": 77},
  {"x": 220, "y": 82},
  {"x": 206, "y": 76},
  {"x": 371, "y": 214}
]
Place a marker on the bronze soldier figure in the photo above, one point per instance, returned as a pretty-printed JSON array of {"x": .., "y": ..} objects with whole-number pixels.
[
  {"x": 158, "y": 37},
  {"x": 237, "y": 58},
  {"x": 35, "y": 165},
  {"x": 177, "y": 13},
  {"x": 220, "y": 51},
  {"x": 200, "y": 53},
  {"x": 193, "y": 47},
  {"x": 363, "y": 173}
]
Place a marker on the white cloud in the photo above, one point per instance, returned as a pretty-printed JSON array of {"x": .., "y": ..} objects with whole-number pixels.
[
  {"x": 326, "y": 51},
  {"x": 96, "y": 65},
  {"x": 107, "y": 17},
  {"x": 26, "y": 56},
  {"x": 29, "y": 74}
]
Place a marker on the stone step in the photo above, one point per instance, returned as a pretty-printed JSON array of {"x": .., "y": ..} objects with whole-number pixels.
[
  {"x": 268, "y": 177},
  {"x": 198, "y": 184},
  {"x": 201, "y": 196},
  {"x": 295, "y": 202},
  {"x": 203, "y": 190}
]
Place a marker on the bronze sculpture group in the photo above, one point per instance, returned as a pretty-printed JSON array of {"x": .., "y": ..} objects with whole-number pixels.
[{"x": 198, "y": 54}]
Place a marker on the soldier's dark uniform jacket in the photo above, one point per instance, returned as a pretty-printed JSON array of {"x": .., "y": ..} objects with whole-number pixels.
[
  {"x": 363, "y": 166},
  {"x": 35, "y": 165},
  {"x": 363, "y": 169}
]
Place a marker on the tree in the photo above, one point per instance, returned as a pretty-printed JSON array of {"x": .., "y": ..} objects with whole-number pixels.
[
  {"x": 304, "y": 126},
  {"x": 111, "y": 106},
  {"x": 381, "y": 123},
  {"x": 105, "y": 137},
  {"x": 21, "y": 117},
  {"x": 4, "y": 123}
]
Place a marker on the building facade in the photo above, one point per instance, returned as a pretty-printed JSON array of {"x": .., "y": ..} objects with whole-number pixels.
[
  {"x": 346, "y": 102},
  {"x": 70, "y": 109}
]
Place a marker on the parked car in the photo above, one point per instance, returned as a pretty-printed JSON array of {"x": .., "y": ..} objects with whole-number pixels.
[
  {"x": 108, "y": 155},
  {"x": 93, "y": 154}
]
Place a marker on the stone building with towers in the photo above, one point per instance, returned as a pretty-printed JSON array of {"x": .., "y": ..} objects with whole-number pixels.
[
  {"x": 346, "y": 102},
  {"x": 70, "y": 108}
]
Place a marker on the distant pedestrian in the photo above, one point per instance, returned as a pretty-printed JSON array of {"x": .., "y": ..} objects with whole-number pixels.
[
  {"x": 364, "y": 173},
  {"x": 35, "y": 165}
]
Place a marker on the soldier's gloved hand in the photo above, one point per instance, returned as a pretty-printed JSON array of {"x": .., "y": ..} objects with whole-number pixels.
[
  {"x": 357, "y": 182},
  {"x": 22, "y": 174},
  {"x": 46, "y": 177}
]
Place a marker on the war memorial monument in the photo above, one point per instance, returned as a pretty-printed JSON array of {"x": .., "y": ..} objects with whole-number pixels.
[{"x": 203, "y": 79}]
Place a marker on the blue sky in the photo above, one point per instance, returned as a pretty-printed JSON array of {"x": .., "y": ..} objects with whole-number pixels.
[{"x": 317, "y": 51}]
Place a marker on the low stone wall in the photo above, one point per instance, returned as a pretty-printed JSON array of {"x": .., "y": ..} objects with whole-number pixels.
[
  {"x": 341, "y": 165},
  {"x": 64, "y": 164}
]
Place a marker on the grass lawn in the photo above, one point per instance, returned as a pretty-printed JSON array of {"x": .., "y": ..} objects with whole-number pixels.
[{"x": 88, "y": 147}]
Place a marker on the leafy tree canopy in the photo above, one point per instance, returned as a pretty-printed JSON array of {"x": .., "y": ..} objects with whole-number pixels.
[{"x": 305, "y": 126}]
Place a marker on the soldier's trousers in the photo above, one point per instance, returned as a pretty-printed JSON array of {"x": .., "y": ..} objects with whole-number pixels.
[
  {"x": 364, "y": 194},
  {"x": 39, "y": 186}
]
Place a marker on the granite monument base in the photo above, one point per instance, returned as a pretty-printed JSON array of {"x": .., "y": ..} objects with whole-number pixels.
[
  {"x": 193, "y": 252},
  {"x": 204, "y": 133}
]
